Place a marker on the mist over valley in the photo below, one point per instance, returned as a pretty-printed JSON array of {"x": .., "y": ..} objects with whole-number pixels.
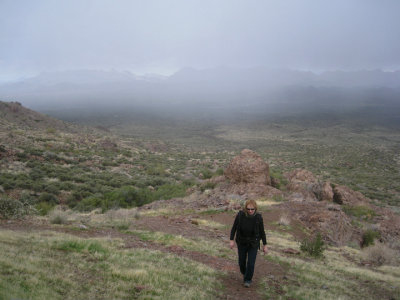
[
  {"x": 134, "y": 133},
  {"x": 218, "y": 95}
]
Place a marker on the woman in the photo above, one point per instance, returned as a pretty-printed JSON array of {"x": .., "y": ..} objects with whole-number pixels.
[{"x": 249, "y": 229}]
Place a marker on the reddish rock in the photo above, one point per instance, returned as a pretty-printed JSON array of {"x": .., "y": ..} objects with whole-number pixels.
[
  {"x": 323, "y": 191},
  {"x": 334, "y": 225},
  {"x": 290, "y": 251},
  {"x": 326, "y": 192},
  {"x": 346, "y": 196},
  {"x": 300, "y": 175},
  {"x": 248, "y": 167}
]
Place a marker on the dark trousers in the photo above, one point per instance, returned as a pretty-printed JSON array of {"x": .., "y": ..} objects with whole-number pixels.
[{"x": 247, "y": 259}]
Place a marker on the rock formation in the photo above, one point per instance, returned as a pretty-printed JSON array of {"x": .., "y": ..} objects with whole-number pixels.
[{"x": 248, "y": 167}]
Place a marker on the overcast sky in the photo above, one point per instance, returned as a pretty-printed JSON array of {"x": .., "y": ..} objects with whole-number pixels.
[{"x": 163, "y": 36}]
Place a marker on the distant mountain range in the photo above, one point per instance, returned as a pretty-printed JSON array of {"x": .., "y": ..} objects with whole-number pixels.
[{"x": 228, "y": 90}]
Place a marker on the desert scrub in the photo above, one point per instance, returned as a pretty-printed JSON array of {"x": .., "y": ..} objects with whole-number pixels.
[
  {"x": 125, "y": 197},
  {"x": 57, "y": 266},
  {"x": 338, "y": 276},
  {"x": 381, "y": 254},
  {"x": 278, "y": 179},
  {"x": 360, "y": 211},
  {"x": 368, "y": 237},
  {"x": 58, "y": 216},
  {"x": 14, "y": 209},
  {"x": 313, "y": 246},
  {"x": 207, "y": 186}
]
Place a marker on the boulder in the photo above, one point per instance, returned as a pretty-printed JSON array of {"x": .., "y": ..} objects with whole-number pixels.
[
  {"x": 345, "y": 196},
  {"x": 248, "y": 167},
  {"x": 300, "y": 175},
  {"x": 304, "y": 182},
  {"x": 334, "y": 225},
  {"x": 323, "y": 191}
]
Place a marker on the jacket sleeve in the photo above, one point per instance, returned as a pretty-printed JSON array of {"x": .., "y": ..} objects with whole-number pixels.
[
  {"x": 262, "y": 231},
  {"x": 234, "y": 227}
]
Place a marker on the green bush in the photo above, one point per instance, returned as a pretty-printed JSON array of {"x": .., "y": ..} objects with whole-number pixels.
[
  {"x": 368, "y": 238},
  {"x": 205, "y": 174},
  {"x": 52, "y": 188},
  {"x": 125, "y": 197},
  {"x": 47, "y": 197},
  {"x": 168, "y": 191},
  {"x": 156, "y": 170},
  {"x": 43, "y": 208},
  {"x": 90, "y": 203},
  {"x": 280, "y": 180},
  {"x": 359, "y": 211},
  {"x": 14, "y": 209},
  {"x": 73, "y": 199},
  {"x": 219, "y": 172},
  {"x": 313, "y": 247}
]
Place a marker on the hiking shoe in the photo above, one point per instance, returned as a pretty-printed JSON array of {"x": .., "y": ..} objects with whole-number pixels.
[{"x": 246, "y": 284}]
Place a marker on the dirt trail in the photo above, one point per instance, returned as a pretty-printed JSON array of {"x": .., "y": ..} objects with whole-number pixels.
[{"x": 232, "y": 281}]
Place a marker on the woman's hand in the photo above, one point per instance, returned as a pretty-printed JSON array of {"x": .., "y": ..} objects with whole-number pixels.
[
  {"x": 265, "y": 249},
  {"x": 231, "y": 244}
]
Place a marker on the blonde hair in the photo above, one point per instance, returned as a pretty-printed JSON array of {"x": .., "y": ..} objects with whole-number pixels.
[{"x": 247, "y": 203}]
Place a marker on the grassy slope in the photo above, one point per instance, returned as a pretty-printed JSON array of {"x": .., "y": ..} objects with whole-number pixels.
[
  {"x": 49, "y": 264},
  {"x": 62, "y": 165}
]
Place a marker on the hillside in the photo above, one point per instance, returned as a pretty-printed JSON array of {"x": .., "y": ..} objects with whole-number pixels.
[
  {"x": 13, "y": 114},
  {"x": 145, "y": 215}
]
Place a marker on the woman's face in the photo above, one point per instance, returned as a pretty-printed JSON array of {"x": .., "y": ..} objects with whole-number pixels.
[{"x": 250, "y": 209}]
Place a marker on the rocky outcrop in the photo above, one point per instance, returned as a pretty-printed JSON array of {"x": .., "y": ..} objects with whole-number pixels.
[
  {"x": 323, "y": 191},
  {"x": 248, "y": 167},
  {"x": 345, "y": 196},
  {"x": 325, "y": 218},
  {"x": 305, "y": 187},
  {"x": 300, "y": 175}
]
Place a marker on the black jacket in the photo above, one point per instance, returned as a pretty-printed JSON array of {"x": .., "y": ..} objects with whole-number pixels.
[{"x": 246, "y": 231}]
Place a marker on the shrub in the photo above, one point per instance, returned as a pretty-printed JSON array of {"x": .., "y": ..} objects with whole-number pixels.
[
  {"x": 205, "y": 174},
  {"x": 47, "y": 197},
  {"x": 90, "y": 203},
  {"x": 156, "y": 170},
  {"x": 278, "y": 179},
  {"x": 58, "y": 217},
  {"x": 380, "y": 254},
  {"x": 43, "y": 208},
  {"x": 73, "y": 199},
  {"x": 14, "y": 209},
  {"x": 52, "y": 188},
  {"x": 284, "y": 220},
  {"x": 207, "y": 186},
  {"x": 359, "y": 211},
  {"x": 368, "y": 237},
  {"x": 219, "y": 172},
  {"x": 125, "y": 197},
  {"x": 36, "y": 174},
  {"x": 168, "y": 191},
  {"x": 314, "y": 247}
]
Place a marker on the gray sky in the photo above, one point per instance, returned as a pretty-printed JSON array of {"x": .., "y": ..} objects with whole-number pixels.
[{"x": 163, "y": 36}]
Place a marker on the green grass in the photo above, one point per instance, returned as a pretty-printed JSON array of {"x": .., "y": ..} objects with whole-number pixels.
[
  {"x": 360, "y": 212},
  {"x": 193, "y": 244},
  {"x": 336, "y": 276},
  {"x": 57, "y": 266}
]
